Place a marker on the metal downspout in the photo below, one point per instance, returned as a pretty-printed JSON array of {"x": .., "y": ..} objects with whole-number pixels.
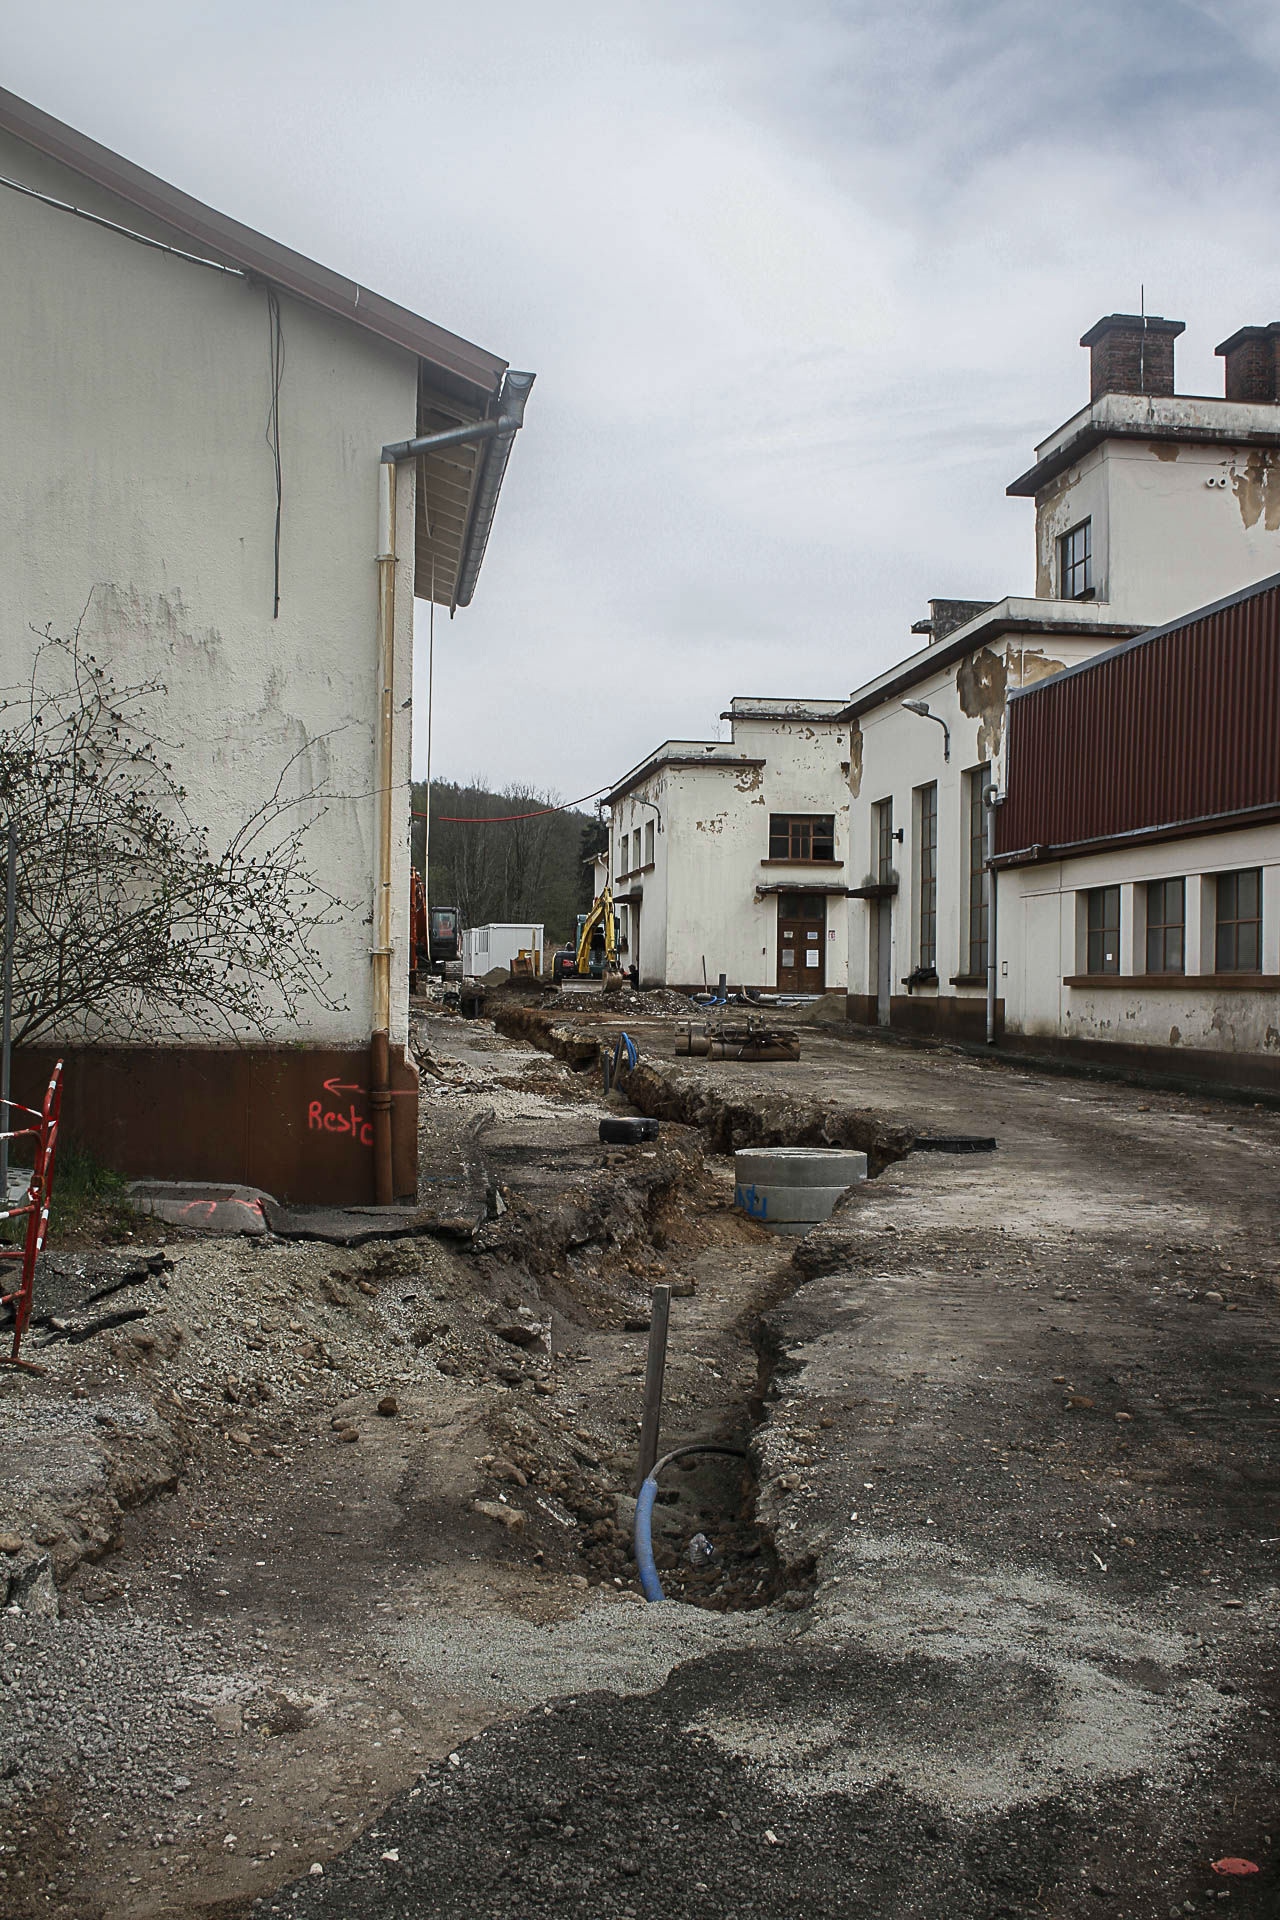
[
  {"x": 509, "y": 418},
  {"x": 992, "y": 798},
  {"x": 380, "y": 1043}
]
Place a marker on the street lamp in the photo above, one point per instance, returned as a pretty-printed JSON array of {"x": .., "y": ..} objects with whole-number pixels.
[{"x": 922, "y": 707}]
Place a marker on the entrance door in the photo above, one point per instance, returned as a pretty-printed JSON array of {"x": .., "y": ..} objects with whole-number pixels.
[
  {"x": 881, "y": 936},
  {"x": 802, "y": 942}
]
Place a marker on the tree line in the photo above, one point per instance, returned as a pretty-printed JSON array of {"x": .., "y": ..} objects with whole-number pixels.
[{"x": 492, "y": 866}]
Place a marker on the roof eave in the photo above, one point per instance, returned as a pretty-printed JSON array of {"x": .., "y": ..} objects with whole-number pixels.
[
  {"x": 467, "y": 370},
  {"x": 1030, "y": 483},
  {"x": 922, "y": 666}
]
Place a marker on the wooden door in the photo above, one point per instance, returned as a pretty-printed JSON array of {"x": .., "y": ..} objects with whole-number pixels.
[{"x": 802, "y": 942}]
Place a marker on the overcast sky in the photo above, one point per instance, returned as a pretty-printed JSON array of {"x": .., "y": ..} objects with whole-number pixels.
[{"x": 801, "y": 283}]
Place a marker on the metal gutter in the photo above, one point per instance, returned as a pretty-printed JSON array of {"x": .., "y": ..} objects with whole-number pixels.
[{"x": 1040, "y": 854}]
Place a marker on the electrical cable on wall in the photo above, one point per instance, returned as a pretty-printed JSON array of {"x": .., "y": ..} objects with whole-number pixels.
[{"x": 275, "y": 361}]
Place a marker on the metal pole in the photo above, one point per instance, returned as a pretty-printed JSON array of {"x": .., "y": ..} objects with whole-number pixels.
[
  {"x": 654, "y": 1370},
  {"x": 6, "y": 1044},
  {"x": 990, "y": 799}
]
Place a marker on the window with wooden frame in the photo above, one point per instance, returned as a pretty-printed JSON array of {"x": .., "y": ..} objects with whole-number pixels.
[
  {"x": 1166, "y": 926},
  {"x": 1075, "y": 563},
  {"x": 927, "y": 879},
  {"x": 978, "y": 782},
  {"x": 802, "y": 836},
  {"x": 1102, "y": 930},
  {"x": 1238, "y": 945}
]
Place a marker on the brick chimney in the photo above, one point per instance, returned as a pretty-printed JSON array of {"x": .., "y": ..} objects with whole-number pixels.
[
  {"x": 1253, "y": 363},
  {"x": 1130, "y": 354}
]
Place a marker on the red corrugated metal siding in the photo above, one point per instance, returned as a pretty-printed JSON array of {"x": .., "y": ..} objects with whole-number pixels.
[{"x": 1176, "y": 729}]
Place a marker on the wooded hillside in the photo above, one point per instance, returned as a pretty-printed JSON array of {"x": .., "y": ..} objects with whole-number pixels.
[{"x": 498, "y": 868}]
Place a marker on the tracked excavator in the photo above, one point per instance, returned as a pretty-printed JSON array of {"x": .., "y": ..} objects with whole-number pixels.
[{"x": 603, "y": 918}]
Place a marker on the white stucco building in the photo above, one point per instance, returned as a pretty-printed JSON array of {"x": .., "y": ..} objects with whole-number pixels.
[
  {"x": 1147, "y": 503},
  {"x": 268, "y": 581},
  {"x": 732, "y": 856}
]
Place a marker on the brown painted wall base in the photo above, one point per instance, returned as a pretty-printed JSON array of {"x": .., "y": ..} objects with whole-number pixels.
[
  {"x": 945, "y": 1015},
  {"x": 293, "y": 1120}
]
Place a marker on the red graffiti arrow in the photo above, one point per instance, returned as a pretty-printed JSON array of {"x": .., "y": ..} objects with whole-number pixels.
[{"x": 339, "y": 1086}]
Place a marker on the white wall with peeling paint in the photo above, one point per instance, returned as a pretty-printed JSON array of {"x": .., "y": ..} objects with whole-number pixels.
[
  {"x": 137, "y": 495},
  {"x": 699, "y": 898},
  {"x": 1174, "y": 525},
  {"x": 903, "y": 752}
]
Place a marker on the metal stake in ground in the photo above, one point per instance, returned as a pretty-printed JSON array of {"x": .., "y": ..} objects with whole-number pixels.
[
  {"x": 10, "y": 904},
  {"x": 654, "y": 1370}
]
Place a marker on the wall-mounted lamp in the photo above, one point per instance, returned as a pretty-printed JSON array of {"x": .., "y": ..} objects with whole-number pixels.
[{"x": 922, "y": 707}]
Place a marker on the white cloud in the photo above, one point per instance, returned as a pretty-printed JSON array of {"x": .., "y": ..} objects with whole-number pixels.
[{"x": 801, "y": 287}]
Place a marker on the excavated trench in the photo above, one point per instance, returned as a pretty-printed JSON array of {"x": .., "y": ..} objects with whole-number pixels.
[
  {"x": 712, "y": 1496},
  {"x": 726, "y": 1121}
]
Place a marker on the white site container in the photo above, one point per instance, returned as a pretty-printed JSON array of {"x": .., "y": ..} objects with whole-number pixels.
[{"x": 496, "y": 945}]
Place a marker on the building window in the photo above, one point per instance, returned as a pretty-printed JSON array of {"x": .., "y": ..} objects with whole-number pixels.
[
  {"x": 1166, "y": 925},
  {"x": 927, "y": 880},
  {"x": 648, "y": 843},
  {"x": 1238, "y": 948},
  {"x": 884, "y": 842},
  {"x": 1102, "y": 930},
  {"x": 802, "y": 836},
  {"x": 635, "y": 848},
  {"x": 1075, "y": 562},
  {"x": 979, "y": 780}
]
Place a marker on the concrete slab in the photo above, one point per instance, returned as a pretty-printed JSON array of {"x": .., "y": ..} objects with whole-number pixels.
[
  {"x": 205, "y": 1205},
  {"x": 349, "y": 1226}
]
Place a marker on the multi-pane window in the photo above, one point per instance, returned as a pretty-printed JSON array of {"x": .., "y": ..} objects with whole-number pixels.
[
  {"x": 1166, "y": 926},
  {"x": 635, "y": 848},
  {"x": 1102, "y": 930},
  {"x": 978, "y": 780},
  {"x": 1075, "y": 563},
  {"x": 1238, "y": 947},
  {"x": 802, "y": 836},
  {"x": 648, "y": 843},
  {"x": 927, "y": 879},
  {"x": 884, "y": 841}
]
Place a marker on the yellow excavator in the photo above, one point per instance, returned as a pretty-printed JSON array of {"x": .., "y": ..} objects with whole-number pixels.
[{"x": 602, "y": 916}]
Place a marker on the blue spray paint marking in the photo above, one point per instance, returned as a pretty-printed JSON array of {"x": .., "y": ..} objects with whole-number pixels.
[{"x": 749, "y": 1201}]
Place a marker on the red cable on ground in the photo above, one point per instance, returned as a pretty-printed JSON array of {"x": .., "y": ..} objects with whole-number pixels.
[{"x": 499, "y": 819}]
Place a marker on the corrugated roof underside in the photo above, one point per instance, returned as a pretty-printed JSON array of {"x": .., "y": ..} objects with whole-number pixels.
[
  {"x": 446, "y": 485},
  {"x": 1173, "y": 731}
]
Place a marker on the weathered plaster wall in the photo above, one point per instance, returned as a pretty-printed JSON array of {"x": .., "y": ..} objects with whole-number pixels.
[
  {"x": 1041, "y": 945},
  {"x": 136, "y": 488},
  {"x": 1174, "y": 525},
  {"x": 901, "y": 752},
  {"x": 699, "y": 900}
]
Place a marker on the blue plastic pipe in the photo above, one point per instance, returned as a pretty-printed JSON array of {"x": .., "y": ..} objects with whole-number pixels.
[{"x": 650, "y": 1585}]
